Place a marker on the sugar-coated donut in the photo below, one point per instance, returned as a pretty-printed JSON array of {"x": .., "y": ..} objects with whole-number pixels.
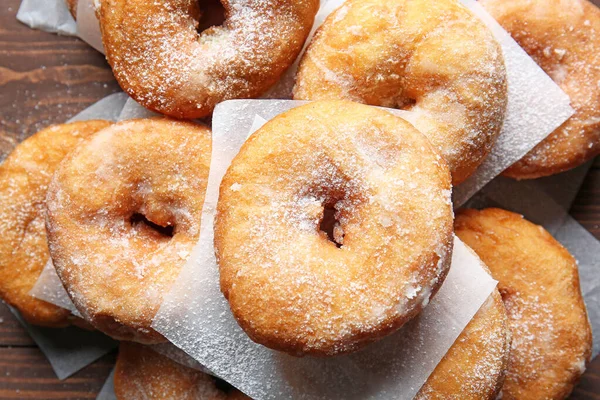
[
  {"x": 289, "y": 286},
  {"x": 142, "y": 373},
  {"x": 123, "y": 216},
  {"x": 161, "y": 61},
  {"x": 24, "y": 179},
  {"x": 475, "y": 366},
  {"x": 539, "y": 283},
  {"x": 563, "y": 37},
  {"x": 434, "y": 58}
]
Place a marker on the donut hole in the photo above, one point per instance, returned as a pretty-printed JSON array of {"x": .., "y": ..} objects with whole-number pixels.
[
  {"x": 222, "y": 385},
  {"x": 331, "y": 226},
  {"x": 405, "y": 103},
  {"x": 142, "y": 224},
  {"x": 212, "y": 13}
]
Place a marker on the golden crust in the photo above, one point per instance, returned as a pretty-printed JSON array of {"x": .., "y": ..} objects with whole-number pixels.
[
  {"x": 475, "y": 366},
  {"x": 431, "y": 57},
  {"x": 141, "y": 373},
  {"x": 394, "y": 228},
  {"x": 72, "y": 6},
  {"x": 563, "y": 37},
  {"x": 539, "y": 283},
  {"x": 161, "y": 61},
  {"x": 115, "y": 266},
  {"x": 24, "y": 179}
]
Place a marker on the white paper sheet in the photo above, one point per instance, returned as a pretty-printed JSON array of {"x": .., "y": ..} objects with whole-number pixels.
[
  {"x": 88, "y": 26},
  {"x": 49, "y": 288},
  {"x": 47, "y": 15},
  {"x": 108, "y": 389},
  {"x": 68, "y": 349}
]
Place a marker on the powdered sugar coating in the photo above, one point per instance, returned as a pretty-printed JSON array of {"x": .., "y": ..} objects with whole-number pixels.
[
  {"x": 434, "y": 58},
  {"x": 141, "y": 373},
  {"x": 563, "y": 37},
  {"x": 159, "y": 58},
  {"x": 391, "y": 195},
  {"x": 539, "y": 283},
  {"x": 116, "y": 269},
  {"x": 24, "y": 179},
  {"x": 474, "y": 368}
]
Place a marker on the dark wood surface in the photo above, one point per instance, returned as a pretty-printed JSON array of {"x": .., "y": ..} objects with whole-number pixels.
[{"x": 44, "y": 79}]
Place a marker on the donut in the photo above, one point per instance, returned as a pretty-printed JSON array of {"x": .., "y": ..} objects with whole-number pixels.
[
  {"x": 297, "y": 289},
  {"x": 475, "y": 366},
  {"x": 434, "y": 58},
  {"x": 24, "y": 179},
  {"x": 72, "y": 6},
  {"x": 160, "y": 60},
  {"x": 539, "y": 283},
  {"x": 123, "y": 214},
  {"x": 142, "y": 373},
  {"x": 563, "y": 37}
]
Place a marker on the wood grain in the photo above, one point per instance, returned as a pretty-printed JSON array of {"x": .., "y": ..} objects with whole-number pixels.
[
  {"x": 45, "y": 79},
  {"x": 25, "y": 374}
]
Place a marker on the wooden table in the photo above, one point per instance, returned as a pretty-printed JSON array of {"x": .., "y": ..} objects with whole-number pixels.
[{"x": 44, "y": 79}]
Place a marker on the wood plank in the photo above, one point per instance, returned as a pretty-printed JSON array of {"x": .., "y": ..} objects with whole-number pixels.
[
  {"x": 25, "y": 374},
  {"x": 12, "y": 332},
  {"x": 44, "y": 78}
]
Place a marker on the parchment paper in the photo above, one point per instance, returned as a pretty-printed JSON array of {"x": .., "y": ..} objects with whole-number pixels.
[
  {"x": 88, "y": 26},
  {"x": 68, "y": 349},
  {"x": 50, "y": 289},
  {"x": 108, "y": 389},
  {"x": 47, "y": 15},
  {"x": 196, "y": 317}
]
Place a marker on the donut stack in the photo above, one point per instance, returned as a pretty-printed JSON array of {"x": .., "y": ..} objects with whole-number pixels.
[{"x": 334, "y": 224}]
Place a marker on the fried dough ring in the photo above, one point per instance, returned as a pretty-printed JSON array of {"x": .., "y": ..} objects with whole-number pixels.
[
  {"x": 24, "y": 179},
  {"x": 539, "y": 283},
  {"x": 110, "y": 206},
  {"x": 432, "y": 57},
  {"x": 475, "y": 366},
  {"x": 563, "y": 37},
  {"x": 161, "y": 61},
  {"x": 391, "y": 247},
  {"x": 141, "y": 373}
]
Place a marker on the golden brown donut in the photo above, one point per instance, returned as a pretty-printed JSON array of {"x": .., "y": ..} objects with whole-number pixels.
[
  {"x": 141, "y": 373},
  {"x": 539, "y": 283},
  {"x": 24, "y": 179},
  {"x": 161, "y": 61},
  {"x": 289, "y": 286},
  {"x": 563, "y": 37},
  {"x": 72, "y": 6},
  {"x": 475, "y": 366},
  {"x": 123, "y": 216},
  {"x": 434, "y": 58}
]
